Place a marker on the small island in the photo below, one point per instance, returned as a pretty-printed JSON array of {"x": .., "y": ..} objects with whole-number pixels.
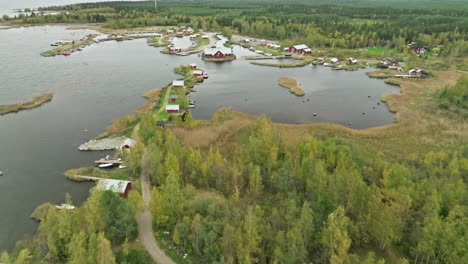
[
  {"x": 292, "y": 85},
  {"x": 28, "y": 104}
]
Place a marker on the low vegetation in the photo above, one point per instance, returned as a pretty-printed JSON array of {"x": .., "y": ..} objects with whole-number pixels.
[
  {"x": 455, "y": 98},
  {"x": 28, "y": 104},
  {"x": 292, "y": 85}
]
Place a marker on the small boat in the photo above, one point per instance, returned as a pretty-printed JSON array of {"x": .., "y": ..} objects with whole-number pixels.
[
  {"x": 66, "y": 54},
  {"x": 122, "y": 166},
  {"x": 191, "y": 106},
  {"x": 191, "y": 101},
  {"x": 205, "y": 76},
  {"x": 54, "y": 44},
  {"x": 1, "y": 173},
  {"x": 65, "y": 206},
  {"x": 105, "y": 165}
]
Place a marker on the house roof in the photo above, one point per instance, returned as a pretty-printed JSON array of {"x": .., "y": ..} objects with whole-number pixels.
[
  {"x": 193, "y": 64},
  {"x": 172, "y": 107},
  {"x": 302, "y": 46},
  {"x": 335, "y": 59},
  {"x": 178, "y": 83},
  {"x": 213, "y": 51},
  {"x": 307, "y": 50},
  {"x": 117, "y": 186},
  {"x": 129, "y": 142},
  {"x": 198, "y": 72}
]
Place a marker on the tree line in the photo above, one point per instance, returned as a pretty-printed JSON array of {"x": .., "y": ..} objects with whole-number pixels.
[{"x": 332, "y": 25}]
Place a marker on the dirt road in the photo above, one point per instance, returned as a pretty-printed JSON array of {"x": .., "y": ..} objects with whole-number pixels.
[{"x": 145, "y": 220}]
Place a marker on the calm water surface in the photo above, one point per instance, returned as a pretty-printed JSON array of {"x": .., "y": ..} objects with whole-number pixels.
[
  {"x": 7, "y": 6},
  {"x": 106, "y": 81}
]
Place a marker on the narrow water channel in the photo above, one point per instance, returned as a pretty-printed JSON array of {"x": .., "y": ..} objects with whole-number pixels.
[{"x": 106, "y": 81}]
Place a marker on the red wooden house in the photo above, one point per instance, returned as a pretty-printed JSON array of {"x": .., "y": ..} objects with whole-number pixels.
[
  {"x": 198, "y": 73},
  {"x": 301, "y": 49},
  {"x": 172, "y": 109}
]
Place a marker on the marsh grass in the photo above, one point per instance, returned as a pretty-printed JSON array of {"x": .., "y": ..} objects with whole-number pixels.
[
  {"x": 28, "y": 104},
  {"x": 292, "y": 85}
]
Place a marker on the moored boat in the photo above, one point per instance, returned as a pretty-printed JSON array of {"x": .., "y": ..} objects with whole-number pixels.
[{"x": 105, "y": 165}]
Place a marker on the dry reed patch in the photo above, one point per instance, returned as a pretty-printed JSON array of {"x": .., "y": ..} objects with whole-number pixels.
[
  {"x": 382, "y": 73},
  {"x": 212, "y": 132},
  {"x": 292, "y": 85},
  {"x": 152, "y": 96}
]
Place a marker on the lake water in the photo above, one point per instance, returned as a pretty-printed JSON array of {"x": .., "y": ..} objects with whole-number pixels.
[
  {"x": 106, "y": 81},
  {"x": 7, "y": 6}
]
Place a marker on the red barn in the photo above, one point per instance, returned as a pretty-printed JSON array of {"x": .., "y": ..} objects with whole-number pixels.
[
  {"x": 335, "y": 61},
  {"x": 173, "y": 98},
  {"x": 193, "y": 66}
]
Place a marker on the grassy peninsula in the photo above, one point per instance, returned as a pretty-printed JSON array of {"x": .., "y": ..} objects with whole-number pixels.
[
  {"x": 28, "y": 104},
  {"x": 69, "y": 47},
  {"x": 292, "y": 85}
]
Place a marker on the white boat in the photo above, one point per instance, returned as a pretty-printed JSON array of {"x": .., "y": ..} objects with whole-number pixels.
[
  {"x": 191, "y": 101},
  {"x": 191, "y": 106},
  {"x": 122, "y": 166},
  {"x": 65, "y": 206},
  {"x": 106, "y": 165},
  {"x": 1, "y": 173},
  {"x": 205, "y": 76}
]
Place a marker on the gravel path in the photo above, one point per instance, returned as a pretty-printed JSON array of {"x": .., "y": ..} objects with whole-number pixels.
[{"x": 145, "y": 220}]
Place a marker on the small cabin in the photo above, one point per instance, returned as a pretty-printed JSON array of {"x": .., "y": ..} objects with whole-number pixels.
[
  {"x": 128, "y": 143},
  {"x": 172, "y": 109},
  {"x": 174, "y": 49},
  {"x": 179, "y": 34},
  {"x": 178, "y": 84},
  {"x": 173, "y": 98},
  {"x": 204, "y": 37},
  {"x": 198, "y": 73},
  {"x": 246, "y": 40},
  {"x": 335, "y": 61},
  {"x": 193, "y": 66},
  {"x": 122, "y": 188},
  {"x": 321, "y": 59},
  {"x": 169, "y": 32},
  {"x": 286, "y": 49},
  {"x": 352, "y": 61},
  {"x": 217, "y": 52}
]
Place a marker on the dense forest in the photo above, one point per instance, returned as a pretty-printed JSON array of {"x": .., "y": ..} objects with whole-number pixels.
[
  {"x": 258, "y": 201},
  {"x": 340, "y": 24},
  {"x": 255, "y": 197}
]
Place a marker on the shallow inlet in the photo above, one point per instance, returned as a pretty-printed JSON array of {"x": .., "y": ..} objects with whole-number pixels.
[{"x": 107, "y": 81}]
